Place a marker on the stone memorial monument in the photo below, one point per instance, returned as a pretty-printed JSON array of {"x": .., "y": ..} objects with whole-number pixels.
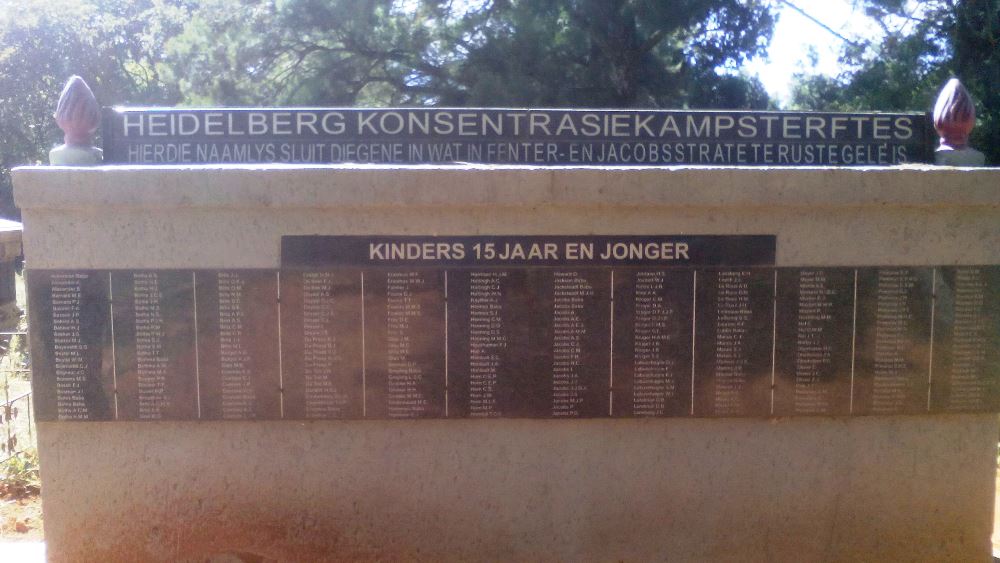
[{"x": 447, "y": 334}]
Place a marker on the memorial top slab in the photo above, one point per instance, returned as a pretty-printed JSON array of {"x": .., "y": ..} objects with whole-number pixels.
[
  {"x": 543, "y": 137},
  {"x": 355, "y": 186}
]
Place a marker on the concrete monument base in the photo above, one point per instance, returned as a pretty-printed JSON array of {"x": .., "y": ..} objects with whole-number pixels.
[
  {"x": 880, "y": 488},
  {"x": 863, "y": 489}
]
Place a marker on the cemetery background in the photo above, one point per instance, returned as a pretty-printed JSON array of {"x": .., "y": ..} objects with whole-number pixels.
[{"x": 157, "y": 67}]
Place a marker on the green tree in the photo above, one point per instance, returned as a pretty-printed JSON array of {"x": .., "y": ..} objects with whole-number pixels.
[
  {"x": 598, "y": 53},
  {"x": 113, "y": 44},
  {"x": 921, "y": 46},
  {"x": 296, "y": 52},
  {"x": 976, "y": 61},
  {"x": 601, "y": 53},
  {"x": 612, "y": 53}
]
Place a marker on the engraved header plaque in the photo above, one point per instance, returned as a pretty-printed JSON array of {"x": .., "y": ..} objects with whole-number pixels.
[
  {"x": 580, "y": 137},
  {"x": 598, "y": 250}
]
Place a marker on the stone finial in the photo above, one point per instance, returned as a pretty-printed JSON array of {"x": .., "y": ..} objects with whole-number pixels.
[
  {"x": 954, "y": 118},
  {"x": 78, "y": 115}
]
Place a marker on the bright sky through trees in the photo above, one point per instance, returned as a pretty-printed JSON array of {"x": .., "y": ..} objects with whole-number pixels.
[{"x": 795, "y": 35}]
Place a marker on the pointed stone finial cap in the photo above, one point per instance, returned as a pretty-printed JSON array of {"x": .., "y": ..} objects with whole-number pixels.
[
  {"x": 954, "y": 118},
  {"x": 954, "y": 115},
  {"x": 78, "y": 115}
]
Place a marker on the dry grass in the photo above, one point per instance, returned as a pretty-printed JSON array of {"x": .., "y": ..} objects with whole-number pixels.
[{"x": 21, "y": 519}]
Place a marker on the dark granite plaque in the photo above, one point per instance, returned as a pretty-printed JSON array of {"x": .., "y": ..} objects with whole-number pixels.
[
  {"x": 966, "y": 366},
  {"x": 238, "y": 351},
  {"x": 72, "y": 368},
  {"x": 318, "y": 251},
  {"x": 815, "y": 341},
  {"x": 404, "y": 344},
  {"x": 514, "y": 136},
  {"x": 581, "y": 342},
  {"x": 653, "y": 332},
  {"x": 516, "y": 341},
  {"x": 893, "y": 340},
  {"x": 321, "y": 347},
  {"x": 529, "y": 343},
  {"x": 734, "y": 329},
  {"x": 154, "y": 337},
  {"x": 498, "y": 321}
]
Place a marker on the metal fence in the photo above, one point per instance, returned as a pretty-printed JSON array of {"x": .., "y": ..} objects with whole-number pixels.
[{"x": 17, "y": 430}]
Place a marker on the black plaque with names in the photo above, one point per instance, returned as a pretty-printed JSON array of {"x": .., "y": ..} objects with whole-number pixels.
[
  {"x": 734, "y": 329},
  {"x": 966, "y": 365},
  {"x": 154, "y": 344},
  {"x": 893, "y": 341},
  {"x": 653, "y": 342},
  {"x": 72, "y": 374},
  {"x": 498, "y": 321},
  {"x": 532, "y": 342},
  {"x": 404, "y": 344},
  {"x": 321, "y": 345},
  {"x": 529, "y": 343},
  {"x": 581, "y": 343},
  {"x": 814, "y": 345},
  {"x": 581, "y": 137},
  {"x": 238, "y": 351}
]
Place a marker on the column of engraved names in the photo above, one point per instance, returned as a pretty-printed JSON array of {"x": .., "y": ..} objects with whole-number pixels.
[
  {"x": 732, "y": 329},
  {"x": 813, "y": 345},
  {"x": 322, "y": 349},
  {"x": 68, "y": 348},
  {"x": 655, "y": 373},
  {"x": 234, "y": 355},
  {"x": 151, "y": 360},
  {"x": 404, "y": 373},
  {"x": 571, "y": 291},
  {"x": 893, "y": 316},
  {"x": 487, "y": 341},
  {"x": 974, "y": 339}
]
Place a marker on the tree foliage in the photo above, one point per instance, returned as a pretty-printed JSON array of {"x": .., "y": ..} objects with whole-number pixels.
[
  {"x": 921, "y": 46},
  {"x": 113, "y": 44},
  {"x": 976, "y": 61},
  {"x": 598, "y": 53}
]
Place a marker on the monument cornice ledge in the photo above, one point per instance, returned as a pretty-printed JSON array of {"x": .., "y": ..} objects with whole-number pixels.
[{"x": 474, "y": 185}]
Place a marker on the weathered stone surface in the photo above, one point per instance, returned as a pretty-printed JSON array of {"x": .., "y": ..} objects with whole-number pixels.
[{"x": 874, "y": 489}]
